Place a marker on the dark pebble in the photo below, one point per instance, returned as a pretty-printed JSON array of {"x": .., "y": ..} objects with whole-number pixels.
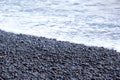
[{"x": 26, "y": 57}]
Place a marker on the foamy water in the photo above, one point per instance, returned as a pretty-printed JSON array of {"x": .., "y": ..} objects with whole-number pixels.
[{"x": 90, "y": 22}]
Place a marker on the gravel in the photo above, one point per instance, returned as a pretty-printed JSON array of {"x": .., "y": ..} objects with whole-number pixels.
[{"x": 26, "y": 57}]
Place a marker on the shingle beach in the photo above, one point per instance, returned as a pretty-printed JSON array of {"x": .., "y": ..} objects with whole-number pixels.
[{"x": 25, "y": 57}]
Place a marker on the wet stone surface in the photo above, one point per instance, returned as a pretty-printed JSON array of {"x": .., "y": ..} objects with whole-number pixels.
[{"x": 25, "y": 57}]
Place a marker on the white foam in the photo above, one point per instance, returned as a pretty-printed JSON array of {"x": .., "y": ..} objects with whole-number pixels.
[{"x": 90, "y": 22}]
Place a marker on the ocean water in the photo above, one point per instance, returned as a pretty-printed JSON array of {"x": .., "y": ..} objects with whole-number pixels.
[{"x": 89, "y": 22}]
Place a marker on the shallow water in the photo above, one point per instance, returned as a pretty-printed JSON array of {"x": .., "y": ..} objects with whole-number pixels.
[{"x": 89, "y": 22}]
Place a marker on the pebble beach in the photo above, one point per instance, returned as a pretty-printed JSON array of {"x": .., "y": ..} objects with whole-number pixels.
[{"x": 26, "y": 57}]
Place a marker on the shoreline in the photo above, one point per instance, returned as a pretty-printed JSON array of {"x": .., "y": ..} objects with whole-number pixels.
[{"x": 27, "y": 57}]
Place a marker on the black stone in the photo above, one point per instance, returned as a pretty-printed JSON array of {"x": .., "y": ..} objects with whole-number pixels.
[{"x": 26, "y": 57}]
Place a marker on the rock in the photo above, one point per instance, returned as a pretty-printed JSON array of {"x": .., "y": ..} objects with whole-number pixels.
[{"x": 24, "y": 57}]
